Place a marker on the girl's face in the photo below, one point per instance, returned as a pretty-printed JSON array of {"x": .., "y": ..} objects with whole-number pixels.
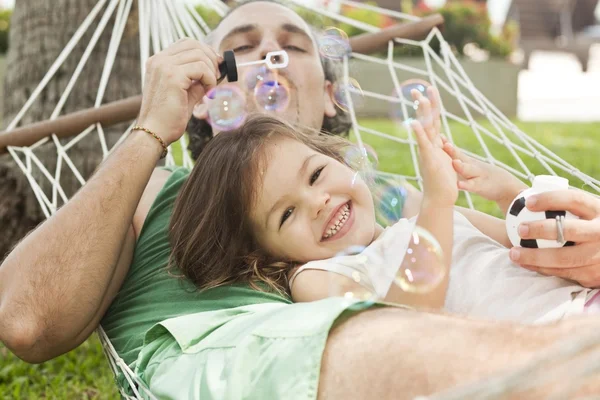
[{"x": 310, "y": 206}]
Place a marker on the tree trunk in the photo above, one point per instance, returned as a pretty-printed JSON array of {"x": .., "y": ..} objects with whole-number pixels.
[{"x": 39, "y": 31}]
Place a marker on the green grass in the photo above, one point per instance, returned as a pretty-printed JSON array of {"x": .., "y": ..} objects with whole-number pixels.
[
  {"x": 84, "y": 373},
  {"x": 576, "y": 143}
]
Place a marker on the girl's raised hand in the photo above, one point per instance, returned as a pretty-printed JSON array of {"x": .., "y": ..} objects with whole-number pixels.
[{"x": 439, "y": 177}]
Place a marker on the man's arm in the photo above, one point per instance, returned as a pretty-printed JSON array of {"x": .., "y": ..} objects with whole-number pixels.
[{"x": 57, "y": 283}]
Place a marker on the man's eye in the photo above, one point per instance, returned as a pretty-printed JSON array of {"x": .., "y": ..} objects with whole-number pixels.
[
  {"x": 286, "y": 214},
  {"x": 294, "y": 48},
  {"x": 239, "y": 49},
  {"x": 316, "y": 174}
]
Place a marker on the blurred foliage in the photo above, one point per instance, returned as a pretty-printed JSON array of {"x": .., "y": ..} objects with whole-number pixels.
[
  {"x": 466, "y": 21},
  {"x": 210, "y": 16},
  {"x": 4, "y": 28}
]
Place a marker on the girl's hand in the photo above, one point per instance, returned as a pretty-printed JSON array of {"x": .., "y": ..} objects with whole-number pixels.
[
  {"x": 489, "y": 181},
  {"x": 439, "y": 177}
]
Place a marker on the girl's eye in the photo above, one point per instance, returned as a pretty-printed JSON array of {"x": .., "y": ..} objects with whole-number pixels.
[
  {"x": 286, "y": 214},
  {"x": 316, "y": 174}
]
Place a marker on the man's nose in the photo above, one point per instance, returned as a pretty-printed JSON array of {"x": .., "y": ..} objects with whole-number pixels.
[{"x": 268, "y": 46}]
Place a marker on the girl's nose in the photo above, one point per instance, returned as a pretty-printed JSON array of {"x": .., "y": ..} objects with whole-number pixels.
[{"x": 320, "y": 204}]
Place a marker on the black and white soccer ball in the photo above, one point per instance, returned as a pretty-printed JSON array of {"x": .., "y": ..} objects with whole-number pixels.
[{"x": 518, "y": 213}]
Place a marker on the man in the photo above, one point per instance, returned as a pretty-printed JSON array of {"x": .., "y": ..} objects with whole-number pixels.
[{"x": 109, "y": 245}]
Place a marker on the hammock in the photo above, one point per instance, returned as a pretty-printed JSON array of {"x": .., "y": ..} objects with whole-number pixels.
[{"x": 162, "y": 22}]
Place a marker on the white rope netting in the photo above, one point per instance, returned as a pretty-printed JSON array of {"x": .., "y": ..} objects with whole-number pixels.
[{"x": 162, "y": 22}]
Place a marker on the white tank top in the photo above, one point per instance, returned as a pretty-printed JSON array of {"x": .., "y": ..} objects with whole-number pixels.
[{"x": 484, "y": 283}]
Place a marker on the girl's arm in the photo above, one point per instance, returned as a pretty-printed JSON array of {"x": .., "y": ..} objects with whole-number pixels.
[
  {"x": 489, "y": 181},
  {"x": 488, "y": 225},
  {"x": 313, "y": 285}
]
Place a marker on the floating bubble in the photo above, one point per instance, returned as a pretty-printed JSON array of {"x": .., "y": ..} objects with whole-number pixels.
[
  {"x": 422, "y": 268},
  {"x": 362, "y": 159},
  {"x": 406, "y": 110},
  {"x": 389, "y": 197},
  {"x": 256, "y": 75},
  {"x": 358, "y": 156},
  {"x": 226, "y": 107},
  {"x": 334, "y": 44},
  {"x": 355, "y": 263},
  {"x": 352, "y": 89},
  {"x": 272, "y": 94}
]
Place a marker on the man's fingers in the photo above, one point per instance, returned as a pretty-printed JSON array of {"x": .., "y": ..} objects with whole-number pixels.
[
  {"x": 580, "y": 203},
  {"x": 200, "y": 111},
  {"x": 579, "y": 255},
  {"x": 195, "y": 55},
  {"x": 588, "y": 276},
  {"x": 200, "y": 72},
  {"x": 181, "y": 45},
  {"x": 186, "y": 44},
  {"x": 575, "y": 230}
]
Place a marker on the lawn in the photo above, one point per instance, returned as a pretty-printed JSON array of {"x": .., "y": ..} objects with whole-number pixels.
[{"x": 84, "y": 373}]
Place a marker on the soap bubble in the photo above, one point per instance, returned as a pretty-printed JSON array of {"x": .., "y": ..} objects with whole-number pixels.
[
  {"x": 358, "y": 156},
  {"x": 341, "y": 91},
  {"x": 256, "y": 75},
  {"x": 272, "y": 94},
  {"x": 389, "y": 196},
  {"x": 362, "y": 159},
  {"x": 354, "y": 263},
  {"x": 423, "y": 267},
  {"x": 406, "y": 110},
  {"x": 226, "y": 107},
  {"x": 334, "y": 44}
]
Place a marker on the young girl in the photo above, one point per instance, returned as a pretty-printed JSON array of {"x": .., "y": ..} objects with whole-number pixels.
[{"x": 271, "y": 206}]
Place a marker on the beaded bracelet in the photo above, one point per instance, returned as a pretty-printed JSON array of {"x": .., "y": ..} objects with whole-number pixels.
[{"x": 162, "y": 142}]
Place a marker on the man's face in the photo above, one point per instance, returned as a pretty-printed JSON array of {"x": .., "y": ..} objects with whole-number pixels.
[{"x": 255, "y": 29}]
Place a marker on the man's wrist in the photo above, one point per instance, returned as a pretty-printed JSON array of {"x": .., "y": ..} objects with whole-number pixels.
[
  {"x": 155, "y": 136},
  {"x": 146, "y": 144}
]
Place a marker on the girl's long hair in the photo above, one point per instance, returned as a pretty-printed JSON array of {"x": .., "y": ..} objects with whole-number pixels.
[{"x": 210, "y": 232}]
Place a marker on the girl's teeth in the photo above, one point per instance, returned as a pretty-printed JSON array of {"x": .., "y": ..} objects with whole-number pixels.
[{"x": 345, "y": 211}]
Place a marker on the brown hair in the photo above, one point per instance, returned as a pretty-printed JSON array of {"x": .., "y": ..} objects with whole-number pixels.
[{"x": 210, "y": 233}]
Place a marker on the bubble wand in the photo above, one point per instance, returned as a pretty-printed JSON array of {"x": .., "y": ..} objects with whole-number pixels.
[{"x": 228, "y": 68}]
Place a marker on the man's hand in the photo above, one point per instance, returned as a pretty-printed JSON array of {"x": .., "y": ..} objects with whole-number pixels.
[
  {"x": 580, "y": 263},
  {"x": 489, "y": 181},
  {"x": 176, "y": 80}
]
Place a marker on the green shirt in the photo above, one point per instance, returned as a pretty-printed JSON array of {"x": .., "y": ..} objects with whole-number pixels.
[{"x": 150, "y": 294}]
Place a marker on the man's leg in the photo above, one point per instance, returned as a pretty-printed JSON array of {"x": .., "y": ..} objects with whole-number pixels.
[{"x": 392, "y": 353}]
